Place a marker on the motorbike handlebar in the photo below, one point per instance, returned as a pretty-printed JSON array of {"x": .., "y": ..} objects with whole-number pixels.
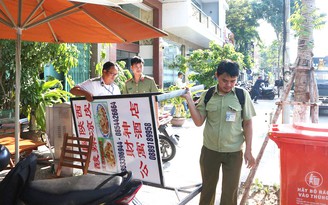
[{"x": 165, "y": 120}]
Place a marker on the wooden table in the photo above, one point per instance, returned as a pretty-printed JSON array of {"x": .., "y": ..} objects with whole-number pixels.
[{"x": 25, "y": 145}]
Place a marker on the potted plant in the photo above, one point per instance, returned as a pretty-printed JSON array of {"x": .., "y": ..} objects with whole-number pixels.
[
  {"x": 45, "y": 93},
  {"x": 179, "y": 116}
]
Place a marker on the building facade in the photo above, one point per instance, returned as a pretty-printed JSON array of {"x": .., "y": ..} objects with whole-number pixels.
[{"x": 190, "y": 24}]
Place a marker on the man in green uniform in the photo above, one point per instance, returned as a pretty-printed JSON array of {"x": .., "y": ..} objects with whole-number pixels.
[
  {"x": 139, "y": 83},
  {"x": 228, "y": 125}
]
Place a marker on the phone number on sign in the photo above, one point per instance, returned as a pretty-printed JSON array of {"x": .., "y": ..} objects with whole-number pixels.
[
  {"x": 121, "y": 156},
  {"x": 117, "y": 128},
  {"x": 150, "y": 141}
]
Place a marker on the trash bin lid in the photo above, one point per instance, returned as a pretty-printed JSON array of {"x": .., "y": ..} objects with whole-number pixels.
[
  {"x": 312, "y": 127},
  {"x": 299, "y": 131}
]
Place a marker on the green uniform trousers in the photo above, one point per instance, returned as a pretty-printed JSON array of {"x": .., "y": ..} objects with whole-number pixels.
[{"x": 210, "y": 164}]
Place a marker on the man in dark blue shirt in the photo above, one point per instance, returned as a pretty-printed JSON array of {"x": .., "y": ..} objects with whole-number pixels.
[{"x": 256, "y": 88}]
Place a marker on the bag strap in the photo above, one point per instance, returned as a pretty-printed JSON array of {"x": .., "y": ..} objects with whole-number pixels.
[
  {"x": 121, "y": 174},
  {"x": 241, "y": 98},
  {"x": 209, "y": 94},
  {"x": 239, "y": 92},
  {"x": 127, "y": 178}
]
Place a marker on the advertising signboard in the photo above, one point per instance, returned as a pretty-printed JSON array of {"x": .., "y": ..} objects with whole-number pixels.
[{"x": 124, "y": 135}]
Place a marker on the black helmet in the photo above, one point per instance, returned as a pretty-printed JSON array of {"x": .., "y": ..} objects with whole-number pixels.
[{"x": 4, "y": 157}]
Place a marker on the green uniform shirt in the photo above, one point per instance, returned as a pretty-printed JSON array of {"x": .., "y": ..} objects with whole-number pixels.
[
  {"x": 146, "y": 84},
  {"x": 220, "y": 134}
]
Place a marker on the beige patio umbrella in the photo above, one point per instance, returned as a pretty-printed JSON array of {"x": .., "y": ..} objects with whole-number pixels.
[{"x": 66, "y": 21}]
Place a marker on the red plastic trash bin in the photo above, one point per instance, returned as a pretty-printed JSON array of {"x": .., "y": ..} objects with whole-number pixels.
[{"x": 303, "y": 163}]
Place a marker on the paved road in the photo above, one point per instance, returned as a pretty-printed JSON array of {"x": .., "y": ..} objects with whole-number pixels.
[{"x": 183, "y": 170}]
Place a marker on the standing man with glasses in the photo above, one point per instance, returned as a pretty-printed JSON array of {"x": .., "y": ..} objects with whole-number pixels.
[
  {"x": 139, "y": 83},
  {"x": 99, "y": 86}
]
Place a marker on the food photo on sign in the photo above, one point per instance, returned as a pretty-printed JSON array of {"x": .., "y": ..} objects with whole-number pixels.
[
  {"x": 92, "y": 120},
  {"x": 104, "y": 136},
  {"x": 107, "y": 154},
  {"x": 102, "y": 119}
]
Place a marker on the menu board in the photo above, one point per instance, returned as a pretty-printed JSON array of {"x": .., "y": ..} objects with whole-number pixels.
[{"x": 124, "y": 135}]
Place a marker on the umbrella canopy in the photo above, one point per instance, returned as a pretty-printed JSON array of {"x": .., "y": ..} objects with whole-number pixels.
[
  {"x": 66, "y": 21},
  {"x": 63, "y": 21}
]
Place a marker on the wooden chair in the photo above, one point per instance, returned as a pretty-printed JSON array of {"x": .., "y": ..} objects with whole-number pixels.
[{"x": 75, "y": 153}]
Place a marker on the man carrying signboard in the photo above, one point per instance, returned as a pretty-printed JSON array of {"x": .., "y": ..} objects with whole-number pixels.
[{"x": 99, "y": 86}]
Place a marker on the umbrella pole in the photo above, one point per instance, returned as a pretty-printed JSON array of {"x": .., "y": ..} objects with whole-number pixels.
[{"x": 17, "y": 93}]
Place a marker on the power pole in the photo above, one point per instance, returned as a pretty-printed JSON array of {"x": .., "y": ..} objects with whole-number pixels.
[{"x": 286, "y": 58}]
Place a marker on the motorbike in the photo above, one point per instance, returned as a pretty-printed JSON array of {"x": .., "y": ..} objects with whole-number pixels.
[
  {"x": 19, "y": 186},
  {"x": 167, "y": 142},
  {"x": 265, "y": 92},
  {"x": 246, "y": 85}
]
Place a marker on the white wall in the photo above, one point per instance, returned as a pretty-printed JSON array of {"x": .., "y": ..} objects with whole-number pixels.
[
  {"x": 146, "y": 52},
  {"x": 171, "y": 16}
]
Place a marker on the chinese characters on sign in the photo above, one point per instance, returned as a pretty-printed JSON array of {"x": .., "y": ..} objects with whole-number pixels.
[{"x": 124, "y": 133}]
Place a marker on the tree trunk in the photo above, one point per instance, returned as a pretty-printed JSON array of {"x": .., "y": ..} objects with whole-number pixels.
[
  {"x": 303, "y": 65},
  {"x": 32, "y": 123}
]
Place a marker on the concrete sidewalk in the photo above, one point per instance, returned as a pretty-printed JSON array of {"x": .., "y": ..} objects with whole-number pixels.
[{"x": 184, "y": 171}]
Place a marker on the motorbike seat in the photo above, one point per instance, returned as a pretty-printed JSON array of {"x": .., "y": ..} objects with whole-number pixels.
[
  {"x": 77, "y": 190},
  {"x": 85, "y": 189},
  {"x": 267, "y": 88},
  {"x": 164, "y": 118},
  {"x": 164, "y": 115}
]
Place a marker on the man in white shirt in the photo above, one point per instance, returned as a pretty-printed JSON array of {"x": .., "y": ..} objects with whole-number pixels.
[
  {"x": 99, "y": 86},
  {"x": 178, "y": 82}
]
